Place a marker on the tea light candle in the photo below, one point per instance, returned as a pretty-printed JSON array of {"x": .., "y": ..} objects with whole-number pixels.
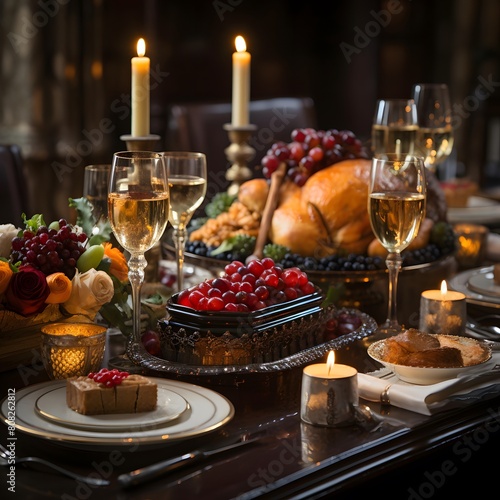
[
  {"x": 140, "y": 91},
  {"x": 72, "y": 349},
  {"x": 443, "y": 311},
  {"x": 241, "y": 84},
  {"x": 329, "y": 393}
]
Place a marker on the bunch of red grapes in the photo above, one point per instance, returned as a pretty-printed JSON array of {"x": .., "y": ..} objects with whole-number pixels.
[
  {"x": 51, "y": 249},
  {"x": 312, "y": 150},
  {"x": 246, "y": 288}
]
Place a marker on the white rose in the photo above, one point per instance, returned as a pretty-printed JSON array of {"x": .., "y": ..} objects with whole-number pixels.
[
  {"x": 7, "y": 233},
  {"x": 90, "y": 291}
]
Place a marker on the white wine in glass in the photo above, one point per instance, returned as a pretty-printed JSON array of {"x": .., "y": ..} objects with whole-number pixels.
[
  {"x": 187, "y": 179},
  {"x": 95, "y": 190},
  {"x": 138, "y": 207},
  {"x": 396, "y": 207},
  {"x": 395, "y": 127},
  {"x": 435, "y": 133}
]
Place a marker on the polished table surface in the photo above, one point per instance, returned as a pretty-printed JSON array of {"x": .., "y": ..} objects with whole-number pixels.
[{"x": 406, "y": 455}]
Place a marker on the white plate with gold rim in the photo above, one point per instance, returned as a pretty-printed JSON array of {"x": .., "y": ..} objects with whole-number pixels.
[
  {"x": 207, "y": 411},
  {"x": 170, "y": 406}
]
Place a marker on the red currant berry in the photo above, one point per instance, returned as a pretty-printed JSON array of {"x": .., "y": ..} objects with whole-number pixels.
[
  {"x": 195, "y": 297},
  {"x": 214, "y": 292},
  {"x": 271, "y": 280},
  {"x": 290, "y": 277},
  {"x": 215, "y": 304},
  {"x": 255, "y": 267},
  {"x": 267, "y": 262},
  {"x": 262, "y": 292}
]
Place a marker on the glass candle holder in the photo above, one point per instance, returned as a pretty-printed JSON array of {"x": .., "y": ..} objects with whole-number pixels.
[
  {"x": 72, "y": 349},
  {"x": 443, "y": 311},
  {"x": 471, "y": 240}
]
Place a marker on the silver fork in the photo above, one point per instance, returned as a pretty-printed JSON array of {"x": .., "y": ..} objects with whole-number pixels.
[{"x": 6, "y": 458}]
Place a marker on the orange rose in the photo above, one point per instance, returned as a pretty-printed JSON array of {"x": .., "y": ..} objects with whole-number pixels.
[
  {"x": 60, "y": 288},
  {"x": 118, "y": 266},
  {"x": 5, "y": 275}
]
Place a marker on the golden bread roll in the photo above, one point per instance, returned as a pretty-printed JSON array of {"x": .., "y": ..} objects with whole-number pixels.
[
  {"x": 419, "y": 349},
  {"x": 329, "y": 212},
  {"x": 253, "y": 194}
]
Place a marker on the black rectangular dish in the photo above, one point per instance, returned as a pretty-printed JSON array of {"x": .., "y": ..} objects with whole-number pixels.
[{"x": 237, "y": 323}]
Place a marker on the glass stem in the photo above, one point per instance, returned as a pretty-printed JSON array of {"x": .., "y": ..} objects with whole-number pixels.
[
  {"x": 136, "y": 266},
  {"x": 393, "y": 263},
  {"x": 179, "y": 242}
]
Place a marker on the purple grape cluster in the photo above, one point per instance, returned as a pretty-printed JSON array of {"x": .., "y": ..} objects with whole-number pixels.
[
  {"x": 312, "y": 150},
  {"x": 51, "y": 249}
]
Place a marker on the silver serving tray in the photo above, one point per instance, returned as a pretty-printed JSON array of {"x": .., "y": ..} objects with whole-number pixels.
[{"x": 140, "y": 356}]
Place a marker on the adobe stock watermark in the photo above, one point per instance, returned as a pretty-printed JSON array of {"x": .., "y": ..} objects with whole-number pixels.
[
  {"x": 363, "y": 37},
  {"x": 274, "y": 469},
  {"x": 463, "y": 451},
  {"x": 31, "y": 26},
  {"x": 266, "y": 135},
  {"x": 485, "y": 89},
  {"x": 223, "y": 6},
  {"x": 75, "y": 156}
]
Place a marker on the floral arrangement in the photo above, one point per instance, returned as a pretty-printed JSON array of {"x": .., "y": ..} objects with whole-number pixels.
[{"x": 52, "y": 272}]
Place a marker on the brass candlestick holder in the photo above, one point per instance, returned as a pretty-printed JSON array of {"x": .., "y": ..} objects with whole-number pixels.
[
  {"x": 141, "y": 143},
  {"x": 239, "y": 153}
]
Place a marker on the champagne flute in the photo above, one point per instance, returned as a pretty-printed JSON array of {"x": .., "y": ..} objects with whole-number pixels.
[
  {"x": 396, "y": 206},
  {"x": 435, "y": 133},
  {"x": 187, "y": 181},
  {"x": 395, "y": 126},
  {"x": 95, "y": 190},
  {"x": 138, "y": 207}
]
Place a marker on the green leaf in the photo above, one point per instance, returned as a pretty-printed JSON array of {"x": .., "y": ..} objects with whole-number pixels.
[
  {"x": 34, "y": 223},
  {"x": 155, "y": 299},
  {"x": 85, "y": 219},
  {"x": 225, "y": 246},
  {"x": 333, "y": 294},
  {"x": 113, "y": 316}
]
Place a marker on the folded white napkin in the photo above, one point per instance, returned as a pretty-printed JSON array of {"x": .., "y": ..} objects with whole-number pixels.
[{"x": 430, "y": 399}]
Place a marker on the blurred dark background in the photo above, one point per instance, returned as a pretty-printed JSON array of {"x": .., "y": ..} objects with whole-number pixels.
[{"x": 65, "y": 76}]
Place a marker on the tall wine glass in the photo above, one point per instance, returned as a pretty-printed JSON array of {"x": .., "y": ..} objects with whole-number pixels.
[
  {"x": 95, "y": 190},
  {"x": 435, "y": 133},
  {"x": 395, "y": 126},
  {"x": 187, "y": 181},
  {"x": 138, "y": 207},
  {"x": 396, "y": 206}
]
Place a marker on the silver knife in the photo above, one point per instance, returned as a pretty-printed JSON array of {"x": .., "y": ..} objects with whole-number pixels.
[{"x": 149, "y": 472}]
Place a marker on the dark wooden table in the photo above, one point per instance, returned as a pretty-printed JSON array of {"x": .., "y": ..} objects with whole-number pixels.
[{"x": 407, "y": 456}]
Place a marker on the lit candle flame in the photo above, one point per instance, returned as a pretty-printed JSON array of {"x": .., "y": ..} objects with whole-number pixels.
[
  {"x": 141, "y": 47},
  {"x": 330, "y": 361},
  {"x": 240, "y": 44},
  {"x": 444, "y": 288}
]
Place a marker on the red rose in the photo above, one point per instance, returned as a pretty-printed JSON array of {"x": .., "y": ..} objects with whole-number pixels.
[{"x": 27, "y": 292}]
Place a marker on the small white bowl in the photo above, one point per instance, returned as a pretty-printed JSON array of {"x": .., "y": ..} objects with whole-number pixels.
[{"x": 425, "y": 376}]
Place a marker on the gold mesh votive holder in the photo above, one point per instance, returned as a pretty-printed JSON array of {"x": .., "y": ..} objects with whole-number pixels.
[{"x": 72, "y": 349}]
